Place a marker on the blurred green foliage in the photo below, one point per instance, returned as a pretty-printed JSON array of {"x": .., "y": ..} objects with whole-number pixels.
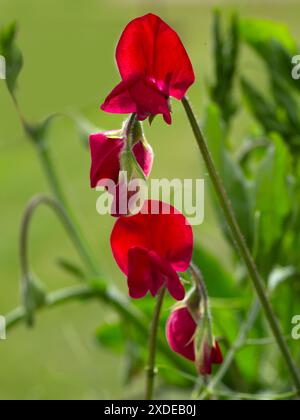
[{"x": 259, "y": 163}]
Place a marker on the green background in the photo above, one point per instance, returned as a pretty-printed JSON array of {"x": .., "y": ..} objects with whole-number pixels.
[{"x": 68, "y": 48}]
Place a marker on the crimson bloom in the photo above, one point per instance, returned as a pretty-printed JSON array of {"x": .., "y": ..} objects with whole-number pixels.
[
  {"x": 180, "y": 331},
  {"x": 151, "y": 247},
  {"x": 106, "y": 157},
  {"x": 153, "y": 65}
]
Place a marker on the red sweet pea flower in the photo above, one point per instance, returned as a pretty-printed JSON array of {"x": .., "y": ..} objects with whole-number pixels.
[
  {"x": 154, "y": 65},
  {"x": 180, "y": 331},
  {"x": 106, "y": 153},
  {"x": 151, "y": 248},
  {"x": 211, "y": 356}
]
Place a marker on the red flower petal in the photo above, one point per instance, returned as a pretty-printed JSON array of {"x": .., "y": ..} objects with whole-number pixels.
[
  {"x": 105, "y": 153},
  {"x": 211, "y": 356},
  {"x": 119, "y": 100},
  {"x": 137, "y": 96},
  {"x": 144, "y": 156},
  {"x": 205, "y": 367},
  {"x": 168, "y": 235},
  {"x": 174, "y": 285},
  {"x": 216, "y": 356},
  {"x": 180, "y": 332},
  {"x": 150, "y": 48},
  {"x": 139, "y": 272},
  {"x": 105, "y": 156}
]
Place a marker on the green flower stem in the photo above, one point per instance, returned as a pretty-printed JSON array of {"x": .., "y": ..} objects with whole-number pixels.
[
  {"x": 242, "y": 335},
  {"x": 241, "y": 244},
  {"x": 200, "y": 283},
  {"x": 28, "y": 215},
  {"x": 18, "y": 315},
  {"x": 42, "y": 149},
  {"x": 151, "y": 368},
  {"x": 98, "y": 289},
  {"x": 256, "y": 397},
  {"x": 77, "y": 236}
]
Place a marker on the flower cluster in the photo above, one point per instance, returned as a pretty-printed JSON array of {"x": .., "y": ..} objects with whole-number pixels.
[{"x": 154, "y": 245}]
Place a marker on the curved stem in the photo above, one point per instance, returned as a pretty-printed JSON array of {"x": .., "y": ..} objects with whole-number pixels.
[
  {"x": 57, "y": 298},
  {"x": 151, "y": 369},
  {"x": 73, "y": 227},
  {"x": 63, "y": 216},
  {"x": 241, "y": 244},
  {"x": 98, "y": 289}
]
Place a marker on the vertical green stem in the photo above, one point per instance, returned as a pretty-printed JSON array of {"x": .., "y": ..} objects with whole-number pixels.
[
  {"x": 241, "y": 244},
  {"x": 151, "y": 369}
]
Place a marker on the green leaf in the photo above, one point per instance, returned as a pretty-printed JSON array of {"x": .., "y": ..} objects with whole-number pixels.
[
  {"x": 275, "y": 46},
  {"x": 71, "y": 268},
  {"x": 272, "y": 197},
  {"x": 236, "y": 184},
  {"x": 37, "y": 132},
  {"x": 258, "y": 32},
  {"x": 226, "y": 51},
  {"x": 12, "y": 55},
  {"x": 219, "y": 281},
  {"x": 262, "y": 109},
  {"x": 289, "y": 108},
  {"x": 84, "y": 128},
  {"x": 111, "y": 337},
  {"x": 279, "y": 275},
  {"x": 134, "y": 361}
]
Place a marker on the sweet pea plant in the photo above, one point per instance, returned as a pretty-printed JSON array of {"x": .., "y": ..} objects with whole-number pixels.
[{"x": 154, "y": 246}]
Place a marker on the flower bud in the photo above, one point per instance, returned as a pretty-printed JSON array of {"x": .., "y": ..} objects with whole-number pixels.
[{"x": 181, "y": 331}]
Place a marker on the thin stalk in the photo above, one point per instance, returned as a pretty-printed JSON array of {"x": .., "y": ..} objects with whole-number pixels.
[
  {"x": 246, "y": 327},
  {"x": 78, "y": 238},
  {"x": 98, "y": 289},
  {"x": 241, "y": 244},
  {"x": 42, "y": 149},
  {"x": 256, "y": 397},
  {"x": 63, "y": 216},
  {"x": 151, "y": 368}
]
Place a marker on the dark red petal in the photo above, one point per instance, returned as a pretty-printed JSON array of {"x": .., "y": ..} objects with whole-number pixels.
[
  {"x": 127, "y": 234},
  {"x": 180, "y": 332},
  {"x": 119, "y": 100},
  {"x": 140, "y": 97},
  {"x": 174, "y": 285},
  {"x": 144, "y": 157},
  {"x": 121, "y": 197},
  {"x": 149, "y": 47},
  {"x": 149, "y": 100},
  {"x": 105, "y": 154},
  {"x": 157, "y": 280},
  {"x": 168, "y": 235},
  {"x": 139, "y": 273},
  {"x": 174, "y": 240},
  {"x": 206, "y": 363},
  {"x": 216, "y": 355}
]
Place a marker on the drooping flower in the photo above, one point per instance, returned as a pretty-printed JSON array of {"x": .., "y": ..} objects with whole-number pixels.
[
  {"x": 211, "y": 355},
  {"x": 153, "y": 65},
  {"x": 106, "y": 153},
  {"x": 181, "y": 330},
  {"x": 152, "y": 247}
]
